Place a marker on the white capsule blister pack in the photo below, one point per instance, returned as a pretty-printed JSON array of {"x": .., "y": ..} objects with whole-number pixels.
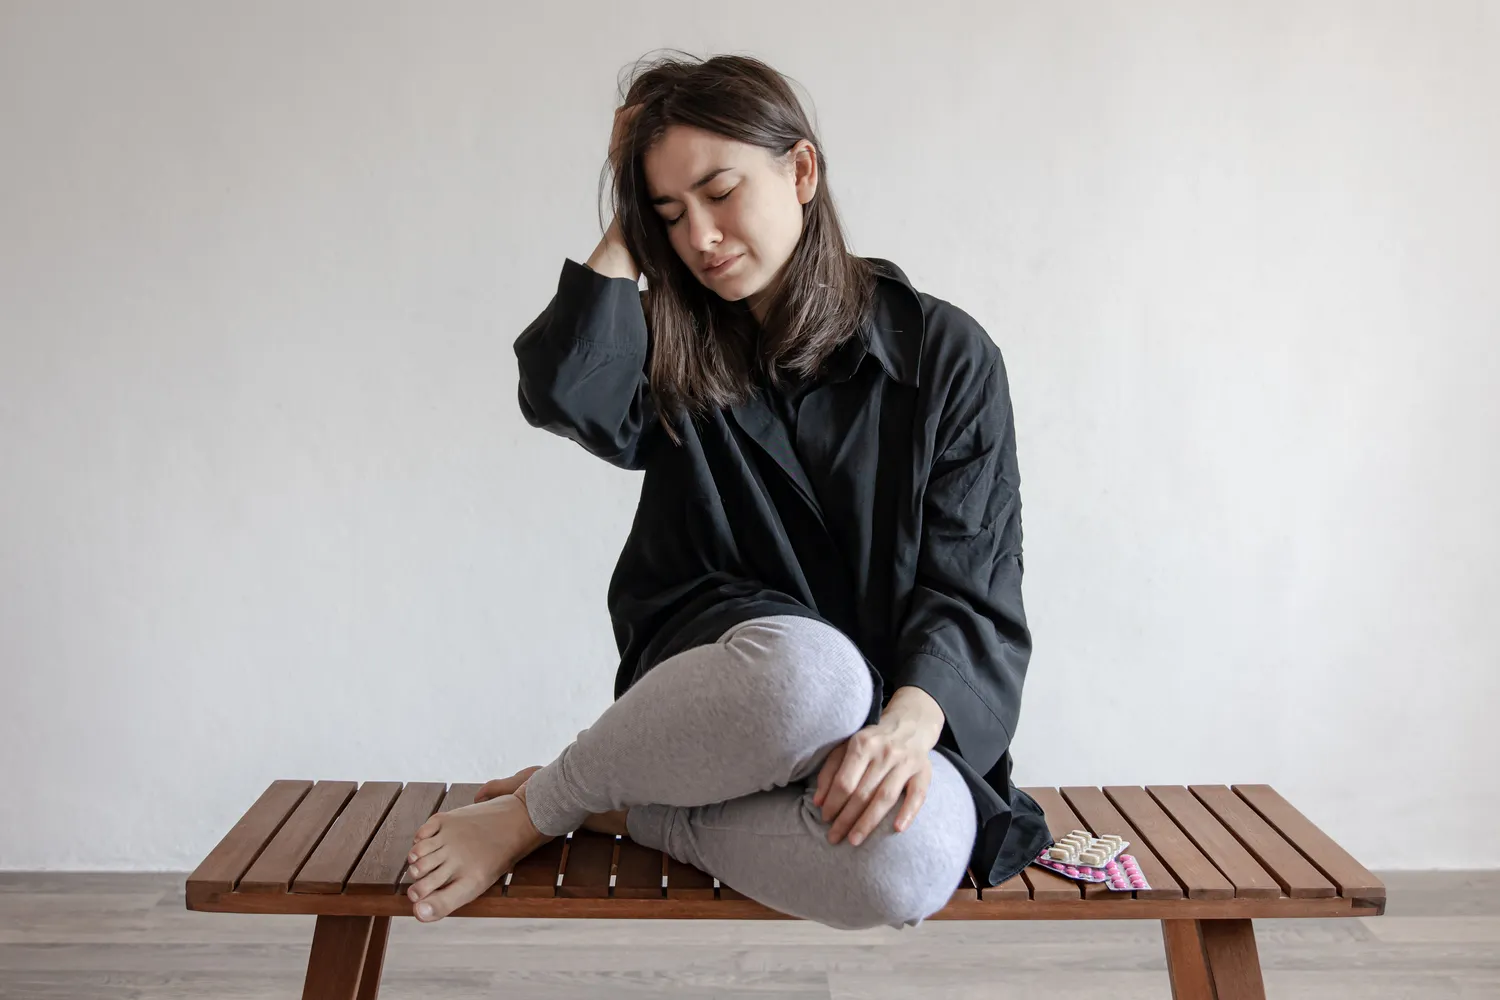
[{"x": 1087, "y": 858}]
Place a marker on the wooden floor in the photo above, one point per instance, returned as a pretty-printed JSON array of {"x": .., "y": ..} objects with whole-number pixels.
[{"x": 92, "y": 935}]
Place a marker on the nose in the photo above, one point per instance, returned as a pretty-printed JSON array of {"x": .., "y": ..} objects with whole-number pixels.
[{"x": 703, "y": 234}]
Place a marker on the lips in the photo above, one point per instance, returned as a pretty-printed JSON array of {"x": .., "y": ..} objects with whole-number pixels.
[{"x": 721, "y": 264}]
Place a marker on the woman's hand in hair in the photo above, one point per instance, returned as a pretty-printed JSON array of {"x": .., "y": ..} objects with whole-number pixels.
[
  {"x": 866, "y": 775},
  {"x": 611, "y": 257}
]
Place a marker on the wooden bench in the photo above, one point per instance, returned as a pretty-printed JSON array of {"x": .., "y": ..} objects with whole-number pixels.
[{"x": 1216, "y": 859}]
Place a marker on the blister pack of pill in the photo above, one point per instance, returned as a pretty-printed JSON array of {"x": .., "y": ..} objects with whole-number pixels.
[
  {"x": 1080, "y": 847},
  {"x": 1087, "y": 858}
]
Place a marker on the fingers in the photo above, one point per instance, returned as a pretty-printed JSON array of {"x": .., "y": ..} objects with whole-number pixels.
[
  {"x": 847, "y": 765},
  {"x": 880, "y": 804},
  {"x": 863, "y": 780},
  {"x": 826, "y": 774},
  {"x": 872, "y": 794},
  {"x": 916, "y": 795}
]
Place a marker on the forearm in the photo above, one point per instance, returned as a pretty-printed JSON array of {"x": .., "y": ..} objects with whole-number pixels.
[
  {"x": 581, "y": 366},
  {"x": 911, "y": 708}
]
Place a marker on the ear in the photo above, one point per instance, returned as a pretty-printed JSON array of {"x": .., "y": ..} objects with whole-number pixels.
[{"x": 804, "y": 157}]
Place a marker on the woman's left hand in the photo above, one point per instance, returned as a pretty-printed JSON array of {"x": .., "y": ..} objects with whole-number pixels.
[{"x": 865, "y": 775}]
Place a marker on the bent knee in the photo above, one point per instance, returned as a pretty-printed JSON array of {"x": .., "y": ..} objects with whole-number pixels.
[
  {"x": 913, "y": 886},
  {"x": 906, "y": 877},
  {"x": 806, "y": 677}
]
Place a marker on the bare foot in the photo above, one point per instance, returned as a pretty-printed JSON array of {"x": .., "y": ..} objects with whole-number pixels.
[
  {"x": 610, "y": 822},
  {"x": 457, "y": 855}
]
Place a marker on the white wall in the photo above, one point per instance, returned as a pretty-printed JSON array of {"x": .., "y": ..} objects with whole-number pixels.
[{"x": 268, "y": 507}]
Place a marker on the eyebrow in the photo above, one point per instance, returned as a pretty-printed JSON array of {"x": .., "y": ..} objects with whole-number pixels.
[{"x": 700, "y": 182}]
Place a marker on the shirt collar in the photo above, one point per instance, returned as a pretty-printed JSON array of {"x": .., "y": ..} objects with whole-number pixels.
[{"x": 893, "y": 331}]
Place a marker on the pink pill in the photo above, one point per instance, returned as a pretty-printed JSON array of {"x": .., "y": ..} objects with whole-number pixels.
[
  {"x": 1136, "y": 880},
  {"x": 1071, "y": 870},
  {"x": 1111, "y": 867}
]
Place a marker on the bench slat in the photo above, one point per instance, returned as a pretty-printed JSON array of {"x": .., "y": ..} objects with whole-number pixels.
[
  {"x": 1061, "y": 821},
  {"x": 1012, "y": 890},
  {"x": 383, "y": 864},
  {"x": 1045, "y": 885},
  {"x": 638, "y": 871},
  {"x": 535, "y": 875},
  {"x": 278, "y": 864},
  {"x": 590, "y": 861},
  {"x": 458, "y": 796},
  {"x": 1199, "y": 878},
  {"x": 967, "y": 891},
  {"x": 1250, "y": 880},
  {"x": 1293, "y": 873},
  {"x": 1353, "y": 879},
  {"x": 239, "y": 848},
  {"x": 688, "y": 882},
  {"x": 1092, "y": 806},
  {"x": 339, "y": 851}
]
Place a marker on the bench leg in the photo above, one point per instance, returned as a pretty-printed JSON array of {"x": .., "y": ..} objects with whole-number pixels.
[
  {"x": 346, "y": 958},
  {"x": 1212, "y": 960},
  {"x": 369, "y": 980}
]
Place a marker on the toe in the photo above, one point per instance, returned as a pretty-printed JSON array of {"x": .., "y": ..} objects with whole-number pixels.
[
  {"x": 432, "y": 881},
  {"x": 428, "y": 863},
  {"x": 429, "y": 828},
  {"x": 448, "y": 899},
  {"x": 423, "y": 848}
]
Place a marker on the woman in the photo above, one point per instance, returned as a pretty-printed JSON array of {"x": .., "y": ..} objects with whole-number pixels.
[{"x": 819, "y": 604}]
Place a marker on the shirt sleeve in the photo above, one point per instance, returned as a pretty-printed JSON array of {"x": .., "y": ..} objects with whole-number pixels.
[
  {"x": 582, "y": 367},
  {"x": 964, "y": 639}
]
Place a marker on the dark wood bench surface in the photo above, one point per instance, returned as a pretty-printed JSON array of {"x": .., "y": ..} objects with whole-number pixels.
[{"x": 1208, "y": 851}]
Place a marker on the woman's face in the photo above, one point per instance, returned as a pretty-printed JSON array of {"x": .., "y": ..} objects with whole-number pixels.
[{"x": 731, "y": 204}]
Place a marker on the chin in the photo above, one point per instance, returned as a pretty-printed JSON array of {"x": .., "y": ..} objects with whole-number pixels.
[{"x": 736, "y": 290}]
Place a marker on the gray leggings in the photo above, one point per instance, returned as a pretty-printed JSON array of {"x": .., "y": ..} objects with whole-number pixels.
[{"x": 715, "y": 752}]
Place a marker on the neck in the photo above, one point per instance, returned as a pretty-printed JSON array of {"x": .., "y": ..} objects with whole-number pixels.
[
  {"x": 760, "y": 302},
  {"x": 758, "y": 306}
]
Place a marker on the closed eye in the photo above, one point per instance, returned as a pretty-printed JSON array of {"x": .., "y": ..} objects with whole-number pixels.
[{"x": 726, "y": 194}]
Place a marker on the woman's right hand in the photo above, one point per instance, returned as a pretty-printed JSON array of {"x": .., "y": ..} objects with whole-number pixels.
[
  {"x": 505, "y": 786},
  {"x": 611, "y": 258}
]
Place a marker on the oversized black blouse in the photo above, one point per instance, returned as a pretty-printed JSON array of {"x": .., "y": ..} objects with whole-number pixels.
[{"x": 881, "y": 498}]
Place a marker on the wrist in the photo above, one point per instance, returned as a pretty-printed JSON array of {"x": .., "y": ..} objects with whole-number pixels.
[
  {"x": 611, "y": 258},
  {"x": 913, "y": 707}
]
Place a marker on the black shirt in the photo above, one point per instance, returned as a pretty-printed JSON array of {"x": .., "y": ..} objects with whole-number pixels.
[{"x": 882, "y": 498}]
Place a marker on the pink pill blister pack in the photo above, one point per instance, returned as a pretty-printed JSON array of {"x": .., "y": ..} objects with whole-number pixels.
[{"x": 1087, "y": 858}]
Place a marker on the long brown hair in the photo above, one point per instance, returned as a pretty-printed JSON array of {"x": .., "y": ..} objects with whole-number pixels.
[{"x": 705, "y": 351}]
